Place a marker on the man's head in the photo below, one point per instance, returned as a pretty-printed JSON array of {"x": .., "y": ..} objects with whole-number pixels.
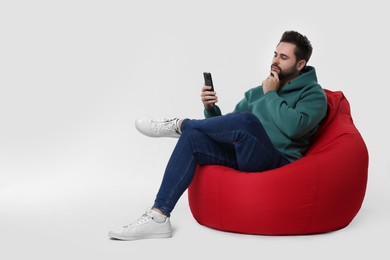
[
  {"x": 303, "y": 48},
  {"x": 291, "y": 55}
]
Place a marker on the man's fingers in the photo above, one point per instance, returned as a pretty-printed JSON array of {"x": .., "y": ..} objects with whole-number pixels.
[
  {"x": 206, "y": 88},
  {"x": 208, "y": 94},
  {"x": 210, "y": 102},
  {"x": 208, "y": 98},
  {"x": 275, "y": 75}
]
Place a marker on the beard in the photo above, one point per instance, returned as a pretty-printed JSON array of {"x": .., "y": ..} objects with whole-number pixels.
[{"x": 283, "y": 74}]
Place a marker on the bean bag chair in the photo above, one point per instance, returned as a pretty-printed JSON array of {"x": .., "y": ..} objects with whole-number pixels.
[{"x": 321, "y": 192}]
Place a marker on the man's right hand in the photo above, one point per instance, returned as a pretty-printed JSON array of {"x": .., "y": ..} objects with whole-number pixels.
[
  {"x": 208, "y": 97},
  {"x": 272, "y": 82}
]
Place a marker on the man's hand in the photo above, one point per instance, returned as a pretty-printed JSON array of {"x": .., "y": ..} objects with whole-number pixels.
[
  {"x": 208, "y": 97},
  {"x": 271, "y": 82}
]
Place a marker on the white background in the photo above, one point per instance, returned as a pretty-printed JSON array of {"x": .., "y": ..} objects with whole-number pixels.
[{"x": 74, "y": 75}]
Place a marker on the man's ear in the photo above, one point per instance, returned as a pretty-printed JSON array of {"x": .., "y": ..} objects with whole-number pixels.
[{"x": 301, "y": 64}]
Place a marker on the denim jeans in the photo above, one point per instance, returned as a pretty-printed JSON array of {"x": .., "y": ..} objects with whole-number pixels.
[{"x": 236, "y": 140}]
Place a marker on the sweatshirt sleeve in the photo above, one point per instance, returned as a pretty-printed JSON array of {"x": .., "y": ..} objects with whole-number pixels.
[
  {"x": 215, "y": 111},
  {"x": 299, "y": 120},
  {"x": 242, "y": 106}
]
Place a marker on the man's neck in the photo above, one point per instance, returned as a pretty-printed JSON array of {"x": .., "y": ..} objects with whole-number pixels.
[{"x": 285, "y": 81}]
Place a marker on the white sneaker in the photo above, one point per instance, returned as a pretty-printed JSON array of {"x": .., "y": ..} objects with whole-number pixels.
[
  {"x": 158, "y": 127},
  {"x": 152, "y": 224}
]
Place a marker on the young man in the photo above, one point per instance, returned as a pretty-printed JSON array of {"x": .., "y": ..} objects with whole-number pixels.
[{"x": 270, "y": 127}]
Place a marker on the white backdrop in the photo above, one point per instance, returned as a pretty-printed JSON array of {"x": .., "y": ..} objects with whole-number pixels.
[{"x": 74, "y": 75}]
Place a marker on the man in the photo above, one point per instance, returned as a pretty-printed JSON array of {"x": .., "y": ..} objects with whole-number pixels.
[{"x": 270, "y": 127}]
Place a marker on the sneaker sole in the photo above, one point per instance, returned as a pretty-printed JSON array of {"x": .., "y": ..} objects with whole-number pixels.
[{"x": 130, "y": 238}]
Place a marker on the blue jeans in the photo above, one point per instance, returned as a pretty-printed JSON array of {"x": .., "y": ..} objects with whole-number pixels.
[{"x": 236, "y": 140}]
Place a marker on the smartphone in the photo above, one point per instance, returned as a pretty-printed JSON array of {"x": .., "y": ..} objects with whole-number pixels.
[{"x": 208, "y": 81}]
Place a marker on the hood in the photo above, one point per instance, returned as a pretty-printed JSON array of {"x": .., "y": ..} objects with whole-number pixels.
[{"x": 308, "y": 77}]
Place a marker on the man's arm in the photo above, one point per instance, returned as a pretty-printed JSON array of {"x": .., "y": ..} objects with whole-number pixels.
[{"x": 305, "y": 116}]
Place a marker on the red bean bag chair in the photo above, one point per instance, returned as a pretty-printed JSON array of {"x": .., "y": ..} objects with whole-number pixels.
[{"x": 321, "y": 192}]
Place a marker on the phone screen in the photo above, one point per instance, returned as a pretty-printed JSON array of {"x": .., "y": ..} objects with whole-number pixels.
[{"x": 208, "y": 81}]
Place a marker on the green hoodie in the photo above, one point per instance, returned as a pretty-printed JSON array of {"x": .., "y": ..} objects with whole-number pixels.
[{"x": 290, "y": 116}]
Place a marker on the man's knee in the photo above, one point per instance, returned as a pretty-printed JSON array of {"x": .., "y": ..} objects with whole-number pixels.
[{"x": 247, "y": 119}]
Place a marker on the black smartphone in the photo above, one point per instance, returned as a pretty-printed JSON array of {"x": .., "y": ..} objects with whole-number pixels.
[{"x": 208, "y": 81}]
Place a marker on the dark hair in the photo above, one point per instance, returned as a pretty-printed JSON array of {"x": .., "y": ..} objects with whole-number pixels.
[{"x": 303, "y": 48}]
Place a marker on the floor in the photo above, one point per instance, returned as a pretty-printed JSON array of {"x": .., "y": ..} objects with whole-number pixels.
[{"x": 58, "y": 219}]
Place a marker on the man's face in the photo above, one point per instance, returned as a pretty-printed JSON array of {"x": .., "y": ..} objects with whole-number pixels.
[{"x": 284, "y": 62}]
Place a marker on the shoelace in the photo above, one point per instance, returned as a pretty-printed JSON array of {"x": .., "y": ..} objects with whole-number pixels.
[
  {"x": 165, "y": 125},
  {"x": 145, "y": 217}
]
